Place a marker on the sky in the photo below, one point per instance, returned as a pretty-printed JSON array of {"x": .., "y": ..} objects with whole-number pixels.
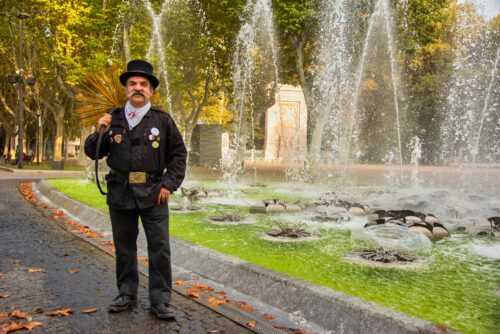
[{"x": 488, "y": 8}]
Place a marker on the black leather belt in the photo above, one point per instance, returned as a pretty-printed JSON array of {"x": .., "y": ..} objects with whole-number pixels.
[{"x": 136, "y": 177}]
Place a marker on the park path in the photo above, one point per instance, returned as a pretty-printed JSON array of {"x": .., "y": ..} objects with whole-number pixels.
[{"x": 29, "y": 239}]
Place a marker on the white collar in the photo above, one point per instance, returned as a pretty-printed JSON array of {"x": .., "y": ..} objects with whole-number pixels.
[{"x": 134, "y": 115}]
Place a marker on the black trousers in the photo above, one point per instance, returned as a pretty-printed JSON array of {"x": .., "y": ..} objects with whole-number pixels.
[{"x": 125, "y": 231}]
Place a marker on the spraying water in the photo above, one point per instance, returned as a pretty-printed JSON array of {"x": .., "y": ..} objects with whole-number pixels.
[
  {"x": 381, "y": 16},
  {"x": 157, "y": 43},
  {"x": 255, "y": 39}
]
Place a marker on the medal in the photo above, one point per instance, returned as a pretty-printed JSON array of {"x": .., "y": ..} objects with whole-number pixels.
[
  {"x": 155, "y": 144},
  {"x": 155, "y": 132},
  {"x": 158, "y": 138},
  {"x": 151, "y": 137},
  {"x": 118, "y": 138}
]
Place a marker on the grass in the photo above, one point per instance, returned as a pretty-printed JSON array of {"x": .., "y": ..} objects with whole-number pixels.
[{"x": 457, "y": 291}]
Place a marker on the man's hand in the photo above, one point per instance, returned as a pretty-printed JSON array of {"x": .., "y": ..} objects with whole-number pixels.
[
  {"x": 104, "y": 122},
  {"x": 163, "y": 195}
]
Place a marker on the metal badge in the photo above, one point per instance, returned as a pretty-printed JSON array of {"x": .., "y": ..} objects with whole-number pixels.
[
  {"x": 158, "y": 138},
  {"x": 155, "y": 131},
  {"x": 118, "y": 138},
  {"x": 151, "y": 137},
  {"x": 155, "y": 144},
  {"x": 137, "y": 177}
]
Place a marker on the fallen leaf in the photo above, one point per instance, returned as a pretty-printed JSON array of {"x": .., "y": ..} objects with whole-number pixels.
[
  {"x": 58, "y": 213},
  {"x": 35, "y": 270},
  {"x": 94, "y": 235},
  {"x": 73, "y": 271},
  {"x": 268, "y": 316},
  {"x": 107, "y": 243},
  {"x": 1, "y": 275},
  {"x": 20, "y": 315},
  {"x": 29, "y": 326},
  {"x": 4, "y": 295},
  {"x": 89, "y": 310},
  {"x": 216, "y": 302},
  {"x": 180, "y": 282},
  {"x": 14, "y": 326},
  {"x": 66, "y": 254},
  {"x": 143, "y": 259},
  {"x": 195, "y": 277},
  {"x": 219, "y": 292},
  {"x": 202, "y": 287},
  {"x": 245, "y": 306},
  {"x": 251, "y": 323},
  {"x": 38, "y": 310},
  {"x": 193, "y": 293},
  {"x": 63, "y": 311}
]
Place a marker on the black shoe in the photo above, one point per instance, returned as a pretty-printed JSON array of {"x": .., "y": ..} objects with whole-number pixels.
[
  {"x": 162, "y": 311},
  {"x": 121, "y": 303}
]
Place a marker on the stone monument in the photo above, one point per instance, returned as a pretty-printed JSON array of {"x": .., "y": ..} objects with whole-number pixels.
[{"x": 286, "y": 126}]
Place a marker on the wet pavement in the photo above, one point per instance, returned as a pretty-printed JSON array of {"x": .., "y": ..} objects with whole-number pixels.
[{"x": 29, "y": 239}]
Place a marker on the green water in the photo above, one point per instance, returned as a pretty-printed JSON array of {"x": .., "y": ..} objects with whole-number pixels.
[{"x": 457, "y": 289}]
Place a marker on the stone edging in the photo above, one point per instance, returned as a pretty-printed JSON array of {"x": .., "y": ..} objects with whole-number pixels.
[{"x": 330, "y": 309}]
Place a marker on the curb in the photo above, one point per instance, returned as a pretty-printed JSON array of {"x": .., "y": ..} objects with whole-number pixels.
[
  {"x": 7, "y": 169},
  {"x": 333, "y": 310}
]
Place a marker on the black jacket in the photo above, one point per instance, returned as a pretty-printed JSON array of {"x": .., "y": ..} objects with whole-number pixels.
[{"x": 154, "y": 146}]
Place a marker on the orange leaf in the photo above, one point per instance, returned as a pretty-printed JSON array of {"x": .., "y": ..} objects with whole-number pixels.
[
  {"x": 245, "y": 306},
  {"x": 268, "y": 316},
  {"x": 5, "y": 295},
  {"x": 220, "y": 292},
  {"x": 35, "y": 270},
  {"x": 30, "y": 325},
  {"x": 20, "y": 314},
  {"x": 193, "y": 293},
  {"x": 251, "y": 323},
  {"x": 107, "y": 243},
  {"x": 63, "y": 311},
  {"x": 73, "y": 271},
  {"x": 180, "y": 282},
  {"x": 143, "y": 259},
  {"x": 94, "y": 235},
  {"x": 216, "y": 302},
  {"x": 202, "y": 287},
  {"x": 89, "y": 310},
  {"x": 14, "y": 326},
  {"x": 195, "y": 277}
]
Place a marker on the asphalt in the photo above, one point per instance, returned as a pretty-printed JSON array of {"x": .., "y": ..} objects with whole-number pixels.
[{"x": 29, "y": 239}]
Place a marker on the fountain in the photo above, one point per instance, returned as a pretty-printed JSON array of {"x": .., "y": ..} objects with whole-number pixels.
[
  {"x": 157, "y": 44},
  {"x": 470, "y": 132},
  {"x": 255, "y": 45}
]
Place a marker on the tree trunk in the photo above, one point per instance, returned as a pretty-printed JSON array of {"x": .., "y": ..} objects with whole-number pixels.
[
  {"x": 82, "y": 157},
  {"x": 126, "y": 45}
]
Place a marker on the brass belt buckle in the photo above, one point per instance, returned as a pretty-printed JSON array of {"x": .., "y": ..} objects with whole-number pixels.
[{"x": 137, "y": 177}]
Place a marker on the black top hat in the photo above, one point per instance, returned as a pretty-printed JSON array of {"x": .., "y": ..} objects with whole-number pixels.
[{"x": 139, "y": 68}]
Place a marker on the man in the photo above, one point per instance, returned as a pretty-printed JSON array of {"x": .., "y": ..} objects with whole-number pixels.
[{"x": 147, "y": 157}]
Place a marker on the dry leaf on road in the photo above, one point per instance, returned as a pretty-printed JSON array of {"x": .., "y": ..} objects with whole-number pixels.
[
  {"x": 63, "y": 311},
  {"x": 251, "y": 323},
  {"x": 89, "y": 310},
  {"x": 20, "y": 314},
  {"x": 268, "y": 316},
  {"x": 193, "y": 293},
  {"x": 35, "y": 270},
  {"x": 4, "y": 295},
  {"x": 30, "y": 325},
  {"x": 180, "y": 282},
  {"x": 73, "y": 271}
]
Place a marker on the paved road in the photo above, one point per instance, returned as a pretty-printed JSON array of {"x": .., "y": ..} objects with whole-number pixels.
[{"x": 28, "y": 239}]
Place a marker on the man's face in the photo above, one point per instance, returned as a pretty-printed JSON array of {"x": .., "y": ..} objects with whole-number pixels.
[{"x": 139, "y": 91}]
